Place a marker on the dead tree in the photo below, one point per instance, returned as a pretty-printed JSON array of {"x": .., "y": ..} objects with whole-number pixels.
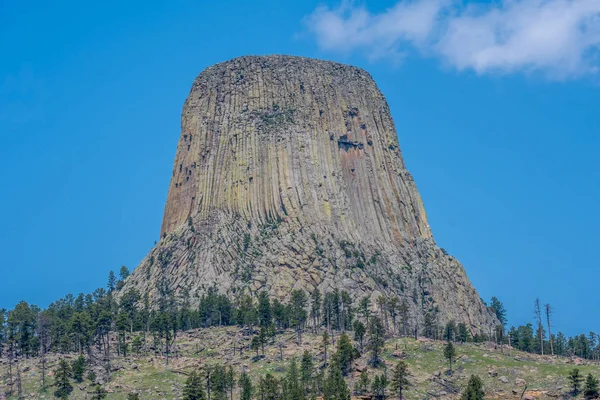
[
  {"x": 537, "y": 309},
  {"x": 548, "y": 310}
]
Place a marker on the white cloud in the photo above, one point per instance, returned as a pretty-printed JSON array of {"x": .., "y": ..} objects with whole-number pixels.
[{"x": 560, "y": 38}]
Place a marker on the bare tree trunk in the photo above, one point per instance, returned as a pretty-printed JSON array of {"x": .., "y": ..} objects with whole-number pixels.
[
  {"x": 537, "y": 308},
  {"x": 280, "y": 351},
  {"x": 10, "y": 375},
  {"x": 43, "y": 362},
  {"x": 548, "y": 310},
  {"x": 19, "y": 386}
]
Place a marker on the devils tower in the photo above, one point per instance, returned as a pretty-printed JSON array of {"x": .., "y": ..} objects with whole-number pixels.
[{"x": 288, "y": 175}]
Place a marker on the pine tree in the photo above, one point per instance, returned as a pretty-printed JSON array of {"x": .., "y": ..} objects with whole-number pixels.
[
  {"x": 325, "y": 344},
  {"x": 450, "y": 331},
  {"x": 362, "y": 385},
  {"x": 399, "y": 380},
  {"x": 315, "y": 308},
  {"x": 498, "y": 309},
  {"x": 262, "y": 337},
  {"x": 376, "y": 340},
  {"x": 99, "y": 393},
  {"x": 463, "y": 333},
  {"x": 268, "y": 388},
  {"x": 292, "y": 388},
  {"x": 575, "y": 380},
  {"x": 359, "y": 332},
  {"x": 474, "y": 390},
  {"x": 78, "y": 368},
  {"x": 255, "y": 344},
  {"x": 264, "y": 309},
  {"x": 335, "y": 385},
  {"x": 62, "y": 381},
  {"x": 378, "y": 386},
  {"x": 193, "y": 389},
  {"x": 112, "y": 282},
  {"x": 306, "y": 368},
  {"x": 345, "y": 353},
  {"x": 298, "y": 301},
  {"x": 123, "y": 273},
  {"x": 246, "y": 387},
  {"x": 450, "y": 354},
  {"x": 364, "y": 306},
  {"x": 590, "y": 390},
  {"x": 137, "y": 344},
  {"x": 230, "y": 381}
]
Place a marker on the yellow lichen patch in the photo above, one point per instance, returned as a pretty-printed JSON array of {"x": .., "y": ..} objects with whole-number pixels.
[{"x": 327, "y": 208}]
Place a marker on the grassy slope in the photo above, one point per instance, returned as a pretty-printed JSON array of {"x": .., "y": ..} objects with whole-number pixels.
[{"x": 150, "y": 377}]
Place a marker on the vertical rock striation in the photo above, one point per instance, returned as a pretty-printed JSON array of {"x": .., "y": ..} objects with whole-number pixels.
[{"x": 288, "y": 174}]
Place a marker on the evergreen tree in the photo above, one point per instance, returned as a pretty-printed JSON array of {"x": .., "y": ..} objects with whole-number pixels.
[
  {"x": 81, "y": 325},
  {"x": 462, "y": 334},
  {"x": 335, "y": 387},
  {"x": 345, "y": 353},
  {"x": 306, "y": 369},
  {"x": 400, "y": 380},
  {"x": 133, "y": 396},
  {"x": 246, "y": 387},
  {"x": 378, "y": 387},
  {"x": 62, "y": 382},
  {"x": 112, "y": 282},
  {"x": 123, "y": 273},
  {"x": 498, "y": 309},
  {"x": 364, "y": 306},
  {"x": 292, "y": 388},
  {"x": 376, "y": 340},
  {"x": 575, "y": 380},
  {"x": 268, "y": 388},
  {"x": 230, "y": 381},
  {"x": 193, "y": 388},
  {"x": 315, "y": 307},
  {"x": 99, "y": 393},
  {"x": 298, "y": 315},
  {"x": 430, "y": 329},
  {"x": 137, "y": 344},
  {"x": 325, "y": 342},
  {"x": 129, "y": 302},
  {"x": 362, "y": 385},
  {"x": 262, "y": 337},
  {"x": 78, "y": 368},
  {"x": 218, "y": 382},
  {"x": 450, "y": 354},
  {"x": 264, "y": 310},
  {"x": 590, "y": 390},
  {"x": 450, "y": 331},
  {"x": 474, "y": 390},
  {"x": 359, "y": 332},
  {"x": 255, "y": 344}
]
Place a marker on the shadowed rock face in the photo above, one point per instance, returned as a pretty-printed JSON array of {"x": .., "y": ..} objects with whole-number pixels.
[{"x": 289, "y": 175}]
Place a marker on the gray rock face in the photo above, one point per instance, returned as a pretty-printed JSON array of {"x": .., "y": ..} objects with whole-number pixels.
[{"x": 289, "y": 175}]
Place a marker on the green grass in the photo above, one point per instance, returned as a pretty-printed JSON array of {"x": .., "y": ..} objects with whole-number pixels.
[{"x": 153, "y": 379}]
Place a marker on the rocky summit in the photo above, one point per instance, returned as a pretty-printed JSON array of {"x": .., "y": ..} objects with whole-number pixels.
[{"x": 288, "y": 175}]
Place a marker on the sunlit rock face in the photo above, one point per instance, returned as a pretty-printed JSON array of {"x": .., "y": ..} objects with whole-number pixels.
[{"x": 288, "y": 175}]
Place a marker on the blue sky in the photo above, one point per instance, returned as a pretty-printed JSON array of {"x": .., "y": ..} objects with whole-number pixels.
[{"x": 500, "y": 132}]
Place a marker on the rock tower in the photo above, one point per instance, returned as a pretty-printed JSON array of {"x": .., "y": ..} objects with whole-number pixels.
[{"x": 288, "y": 175}]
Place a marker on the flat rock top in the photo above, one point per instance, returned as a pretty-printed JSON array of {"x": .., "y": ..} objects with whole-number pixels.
[{"x": 282, "y": 62}]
